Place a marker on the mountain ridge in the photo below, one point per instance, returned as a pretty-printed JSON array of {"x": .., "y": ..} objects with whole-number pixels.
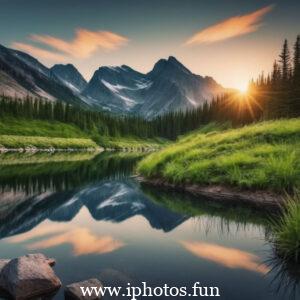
[
  {"x": 25, "y": 73},
  {"x": 169, "y": 86}
]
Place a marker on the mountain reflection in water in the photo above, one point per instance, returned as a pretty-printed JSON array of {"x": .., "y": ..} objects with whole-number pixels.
[{"x": 91, "y": 215}]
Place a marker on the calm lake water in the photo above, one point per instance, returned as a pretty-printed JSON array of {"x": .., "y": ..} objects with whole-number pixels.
[{"x": 91, "y": 215}]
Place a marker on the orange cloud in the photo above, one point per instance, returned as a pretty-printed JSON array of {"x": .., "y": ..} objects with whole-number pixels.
[
  {"x": 82, "y": 241},
  {"x": 38, "y": 52},
  {"x": 228, "y": 257},
  {"x": 40, "y": 231},
  {"x": 85, "y": 42},
  {"x": 230, "y": 28}
]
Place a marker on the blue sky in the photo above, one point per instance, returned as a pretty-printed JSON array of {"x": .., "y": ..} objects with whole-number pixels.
[{"x": 93, "y": 33}]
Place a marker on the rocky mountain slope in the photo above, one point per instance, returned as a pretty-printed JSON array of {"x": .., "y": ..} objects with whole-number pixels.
[
  {"x": 22, "y": 75},
  {"x": 169, "y": 86}
]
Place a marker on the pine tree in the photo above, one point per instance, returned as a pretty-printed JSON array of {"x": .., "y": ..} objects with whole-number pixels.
[
  {"x": 296, "y": 67},
  {"x": 285, "y": 63},
  {"x": 276, "y": 74}
]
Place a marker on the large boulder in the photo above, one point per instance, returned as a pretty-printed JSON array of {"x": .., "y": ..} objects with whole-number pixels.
[
  {"x": 3, "y": 263},
  {"x": 28, "y": 276},
  {"x": 73, "y": 291}
]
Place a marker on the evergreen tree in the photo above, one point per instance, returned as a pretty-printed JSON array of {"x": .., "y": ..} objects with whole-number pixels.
[
  {"x": 276, "y": 74},
  {"x": 285, "y": 63},
  {"x": 296, "y": 69}
]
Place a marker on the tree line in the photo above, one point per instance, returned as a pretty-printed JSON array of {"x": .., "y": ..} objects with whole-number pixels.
[
  {"x": 278, "y": 93},
  {"x": 89, "y": 121}
]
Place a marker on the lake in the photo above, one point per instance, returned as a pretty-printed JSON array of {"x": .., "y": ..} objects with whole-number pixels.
[{"x": 89, "y": 213}]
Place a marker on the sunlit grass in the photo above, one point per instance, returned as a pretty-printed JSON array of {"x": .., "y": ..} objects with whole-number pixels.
[{"x": 264, "y": 156}]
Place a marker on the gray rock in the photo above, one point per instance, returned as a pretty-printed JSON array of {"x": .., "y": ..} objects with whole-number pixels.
[
  {"x": 73, "y": 290},
  {"x": 3, "y": 263},
  {"x": 28, "y": 276}
]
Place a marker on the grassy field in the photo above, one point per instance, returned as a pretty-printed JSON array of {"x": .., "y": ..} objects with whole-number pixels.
[
  {"x": 40, "y": 142},
  {"x": 22, "y": 127},
  {"x": 261, "y": 156},
  {"x": 20, "y": 133}
]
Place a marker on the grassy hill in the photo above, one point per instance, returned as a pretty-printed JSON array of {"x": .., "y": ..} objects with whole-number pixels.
[
  {"x": 24, "y": 127},
  {"x": 261, "y": 156},
  {"x": 19, "y": 133},
  {"x": 22, "y": 133}
]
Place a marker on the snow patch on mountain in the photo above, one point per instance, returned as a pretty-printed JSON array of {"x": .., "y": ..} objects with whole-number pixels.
[{"x": 116, "y": 89}]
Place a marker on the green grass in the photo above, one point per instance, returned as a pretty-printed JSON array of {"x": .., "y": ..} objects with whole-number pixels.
[
  {"x": 261, "y": 156},
  {"x": 287, "y": 230},
  {"x": 23, "y": 127},
  {"x": 15, "y": 142},
  {"x": 21, "y": 133},
  {"x": 13, "y": 132}
]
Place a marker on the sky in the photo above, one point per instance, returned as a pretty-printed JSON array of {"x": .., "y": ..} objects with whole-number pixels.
[{"x": 232, "y": 41}]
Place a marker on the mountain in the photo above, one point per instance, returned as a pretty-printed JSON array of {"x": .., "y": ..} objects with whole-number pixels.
[
  {"x": 117, "y": 89},
  {"x": 70, "y": 77},
  {"x": 170, "y": 86},
  {"x": 22, "y": 75},
  {"x": 111, "y": 200}
]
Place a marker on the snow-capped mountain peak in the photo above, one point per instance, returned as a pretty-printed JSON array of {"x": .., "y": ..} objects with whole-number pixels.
[{"x": 169, "y": 86}]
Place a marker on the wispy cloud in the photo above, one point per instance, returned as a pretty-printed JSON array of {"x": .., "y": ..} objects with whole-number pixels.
[
  {"x": 83, "y": 242},
  {"x": 38, "y": 52},
  {"x": 228, "y": 257},
  {"x": 230, "y": 28},
  {"x": 84, "y": 44}
]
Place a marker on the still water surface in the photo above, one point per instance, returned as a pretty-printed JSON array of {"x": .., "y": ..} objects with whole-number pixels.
[{"x": 91, "y": 215}]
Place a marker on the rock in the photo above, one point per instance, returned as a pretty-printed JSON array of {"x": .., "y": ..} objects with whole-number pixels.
[
  {"x": 28, "y": 276},
  {"x": 73, "y": 290},
  {"x": 3, "y": 263},
  {"x": 43, "y": 258}
]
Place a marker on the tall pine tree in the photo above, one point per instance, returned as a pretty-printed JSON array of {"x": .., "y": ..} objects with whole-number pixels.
[
  {"x": 296, "y": 71},
  {"x": 285, "y": 63}
]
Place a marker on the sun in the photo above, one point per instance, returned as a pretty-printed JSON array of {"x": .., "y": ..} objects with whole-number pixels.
[{"x": 243, "y": 88}]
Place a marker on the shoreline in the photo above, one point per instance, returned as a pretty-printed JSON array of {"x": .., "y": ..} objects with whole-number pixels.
[
  {"x": 258, "y": 199},
  {"x": 53, "y": 150},
  {"x": 48, "y": 150}
]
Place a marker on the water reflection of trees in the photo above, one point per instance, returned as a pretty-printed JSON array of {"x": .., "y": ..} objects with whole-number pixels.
[
  {"x": 225, "y": 219},
  {"x": 38, "y": 173}
]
